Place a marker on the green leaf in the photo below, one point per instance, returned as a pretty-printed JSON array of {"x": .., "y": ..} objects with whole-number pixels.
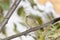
[
  {"x": 15, "y": 28},
  {"x": 5, "y": 4},
  {"x": 1, "y": 14},
  {"x": 57, "y": 25},
  {"x": 4, "y": 31},
  {"x": 1, "y": 11},
  {"x": 16, "y": 31},
  {"x": 39, "y": 20},
  {"x": 54, "y": 32},
  {"x": 21, "y": 12},
  {"x": 1, "y": 18},
  {"x": 32, "y": 3},
  {"x": 40, "y": 35}
]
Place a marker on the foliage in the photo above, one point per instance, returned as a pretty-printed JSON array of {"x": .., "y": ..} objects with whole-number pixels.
[
  {"x": 4, "y": 31},
  {"x": 35, "y": 20},
  {"x": 5, "y": 4},
  {"x": 15, "y": 28},
  {"x": 21, "y": 12},
  {"x": 32, "y": 3},
  {"x": 54, "y": 33},
  {"x": 1, "y": 18},
  {"x": 1, "y": 14},
  {"x": 51, "y": 32}
]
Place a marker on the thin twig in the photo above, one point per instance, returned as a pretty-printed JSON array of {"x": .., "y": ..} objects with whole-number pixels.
[
  {"x": 10, "y": 12},
  {"x": 32, "y": 29}
]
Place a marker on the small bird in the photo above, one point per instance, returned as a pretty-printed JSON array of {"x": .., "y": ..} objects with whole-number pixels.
[{"x": 33, "y": 20}]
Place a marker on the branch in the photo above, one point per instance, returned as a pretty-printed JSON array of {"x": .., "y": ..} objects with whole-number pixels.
[
  {"x": 10, "y": 12},
  {"x": 32, "y": 29}
]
